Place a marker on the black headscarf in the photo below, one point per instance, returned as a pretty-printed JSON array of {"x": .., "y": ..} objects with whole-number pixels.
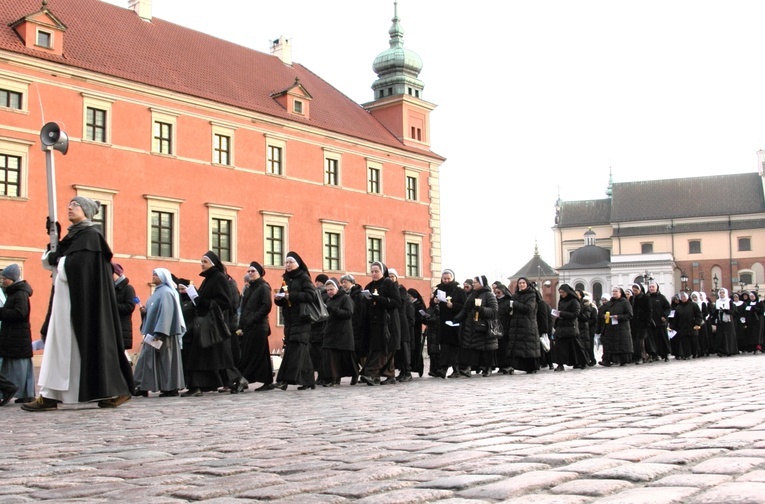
[{"x": 213, "y": 257}]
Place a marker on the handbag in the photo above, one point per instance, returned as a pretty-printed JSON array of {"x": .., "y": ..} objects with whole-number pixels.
[
  {"x": 544, "y": 340},
  {"x": 211, "y": 329},
  {"x": 314, "y": 311}
]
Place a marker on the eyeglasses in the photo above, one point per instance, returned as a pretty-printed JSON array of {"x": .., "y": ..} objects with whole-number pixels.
[
  {"x": 74, "y": 204},
  {"x": 252, "y": 271}
]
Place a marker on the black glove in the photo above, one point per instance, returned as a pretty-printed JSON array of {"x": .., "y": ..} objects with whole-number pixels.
[{"x": 47, "y": 228}]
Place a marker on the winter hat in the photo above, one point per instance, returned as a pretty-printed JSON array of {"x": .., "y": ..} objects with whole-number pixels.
[
  {"x": 348, "y": 277},
  {"x": 118, "y": 269},
  {"x": 321, "y": 277},
  {"x": 89, "y": 206},
  {"x": 392, "y": 271},
  {"x": 12, "y": 272}
]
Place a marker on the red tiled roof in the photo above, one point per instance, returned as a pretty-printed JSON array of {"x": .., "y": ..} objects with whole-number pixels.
[{"x": 114, "y": 41}]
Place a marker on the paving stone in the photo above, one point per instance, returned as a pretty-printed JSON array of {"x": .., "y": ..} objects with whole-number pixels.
[
  {"x": 592, "y": 487},
  {"x": 636, "y": 454},
  {"x": 646, "y": 495},
  {"x": 636, "y": 472},
  {"x": 448, "y": 459},
  {"x": 556, "y": 459},
  {"x": 683, "y": 457},
  {"x": 514, "y": 468},
  {"x": 728, "y": 465},
  {"x": 591, "y": 465},
  {"x": 363, "y": 489},
  {"x": 619, "y": 433},
  {"x": 518, "y": 485},
  {"x": 758, "y": 476},
  {"x": 691, "y": 480},
  {"x": 733, "y": 493},
  {"x": 459, "y": 482},
  {"x": 407, "y": 496}
]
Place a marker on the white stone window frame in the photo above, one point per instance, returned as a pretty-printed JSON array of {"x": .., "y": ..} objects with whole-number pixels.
[
  {"x": 20, "y": 148},
  {"x": 416, "y": 176},
  {"x": 106, "y": 197},
  {"x": 336, "y": 156},
  {"x": 223, "y": 130},
  {"x": 167, "y": 117},
  {"x": 226, "y": 212},
  {"x": 375, "y": 165},
  {"x": 17, "y": 85},
  {"x": 374, "y": 232},
  {"x": 101, "y": 103},
  {"x": 168, "y": 205},
  {"x": 415, "y": 238},
  {"x": 337, "y": 227},
  {"x": 275, "y": 219},
  {"x": 280, "y": 142},
  {"x": 49, "y": 33}
]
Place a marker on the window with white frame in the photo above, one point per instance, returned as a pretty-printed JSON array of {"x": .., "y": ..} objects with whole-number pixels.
[
  {"x": 222, "y": 145},
  {"x": 164, "y": 132},
  {"x": 331, "y": 168},
  {"x": 105, "y": 215},
  {"x": 412, "y": 186},
  {"x": 744, "y": 244},
  {"x": 223, "y": 227},
  {"x": 332, "y": 241},
  {"x": 96, "y": 119},
  {"x": 13, "y": 93},
  {"x": 275, "y": 237},
  {"x": 276, "y": 149},
  {"x": 413, "y": 254},
  {"x": 163, "y": 226},
  {"x": 694, "y": 247},
  {"x": 374, "y": 177},
  {"x": 14, "y": 162},
  {"x": 375, "y": 244},
  {"x": 44, "y": 39}
]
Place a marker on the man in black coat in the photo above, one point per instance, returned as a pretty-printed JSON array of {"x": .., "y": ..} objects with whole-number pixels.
[{"x": 126, "y": 302}]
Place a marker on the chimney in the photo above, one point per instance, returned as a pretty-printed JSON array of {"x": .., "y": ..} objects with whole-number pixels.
[
  {"x": 282, "y": 49},
  {"x": 141, "y": 7}
]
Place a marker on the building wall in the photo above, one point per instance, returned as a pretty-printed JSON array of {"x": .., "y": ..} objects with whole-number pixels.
[{"x": 126, "y": 170}]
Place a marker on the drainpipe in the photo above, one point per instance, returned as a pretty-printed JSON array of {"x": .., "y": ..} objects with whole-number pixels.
[{"x": 730, "y": 253}]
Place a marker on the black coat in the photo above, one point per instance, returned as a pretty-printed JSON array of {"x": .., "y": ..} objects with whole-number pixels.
[
  {"x": 381, "y": 325},
  {"x": 687, "y": 316},
  {"x": 15, "y": 332},
  {"x": 104, "y": 368},
  {"x": 126, "y": 306},
  {"x": 300, "y": 289},
  {"x": 567, "y": 322},
  {"x": 357, "y": 319},
  {"x": 475, "y": 334},
  {"x": 616, "y": 337},
  {"x": 256, "y": 305},
  {"x": 523, "y": 331},
  {"x": 405, "y": 316},
  {"x": 448, "y": 335},
  {"x": 338, "y": 331}
]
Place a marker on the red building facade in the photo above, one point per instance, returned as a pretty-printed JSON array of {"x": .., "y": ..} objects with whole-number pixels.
[{"x": 208, "y": 145}]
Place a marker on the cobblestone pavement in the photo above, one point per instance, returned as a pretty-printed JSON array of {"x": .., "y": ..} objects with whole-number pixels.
[{"x": 691, "y": 431}]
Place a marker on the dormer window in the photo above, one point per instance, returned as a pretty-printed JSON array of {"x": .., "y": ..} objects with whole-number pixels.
[
  {"x": 44, "y": 39},
  {"x": 298, "y": 107}
]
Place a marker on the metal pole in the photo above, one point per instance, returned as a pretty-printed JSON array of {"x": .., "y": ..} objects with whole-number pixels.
[{"x": 52, "y": 214}]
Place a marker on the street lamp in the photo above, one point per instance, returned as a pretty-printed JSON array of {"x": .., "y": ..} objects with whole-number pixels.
[
  {"x": 742, "y": 284},
  {"x": 647, "y": 278},
  {"x": 684, "y": 280},
  {"x": 715, "y": 280}
]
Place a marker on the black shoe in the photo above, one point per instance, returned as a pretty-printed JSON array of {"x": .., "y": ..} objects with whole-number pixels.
[
  {"x": 354, "y": 379},
  {"x": 169, "y": 393},
  {"x": 141, "y": 393},
  {"x": 195, "y": 392},
  {"x": 455, "y": 374},
  {"x": 238, "y": 386},
  {"x": 263, "y": 388},
  {"x": 331, "y": 384},
  {"x": 23, "y": 400},
  {"x": 388, "y": 381},
  {"x": 605, "y": 363},
  {"x": 8, "y": 395},
  {"x": 560, "y": 368},
  {"x": 114, "y": 401},
  {"x": 306, "y": 387},
  {"x": 440, "y": 374},
  {"x": 466, "y": 373},
  {"x": 405, "y": 378},
  {"x": 280, "y": 386}
]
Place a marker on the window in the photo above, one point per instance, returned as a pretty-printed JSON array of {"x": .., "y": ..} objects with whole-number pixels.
[
  {"x": 416, "y": 134},
  {"x": 275, "y": 155},
  {"x": 10, "y": 99},
  {"x": 332, "y": 241},
  {"x": 274, "y": 245},
  {"x": 163, "y": 138},
  {"x": 222, "y": 144},
  {"x": 646, "y": 248},
  {"x": 375, "y": 244},
  {"x": 374, "y": 249},
  {"x": 222, "y": 222},
  {"x": 95, "y": 125},
  {"x": 331, "y": 171},
  {"x": 694, "y": 247},
  {"x": 374, "y": 178},
  {"x": 411, "y": 186},
  {"x": 744, "y": 244},
  {"x": 221, "y": 149},
  {"x": 413, "y": 253},
  {"x": 275, "y": 237},
  {"x": 413, "y": 259},
  {"x": 10, "y": 175},
  {"x": 44, "y": 39},
  {"x": 747, "y": 278},
  {"x": 298, "y": 107},
  {"x": 14, "y": 162},
  {"x": 104, "y": 217},
  {"x": 163, "y": 133},
  {"x": 163, "y": 226},
  {"x": 13, "y": 92}
]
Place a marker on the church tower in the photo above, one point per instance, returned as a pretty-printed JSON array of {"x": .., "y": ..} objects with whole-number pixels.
[{"x": 398, "y": 102}]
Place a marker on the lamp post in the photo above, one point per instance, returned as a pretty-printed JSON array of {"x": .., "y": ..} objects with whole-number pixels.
[
  {"x": 742, "y": 284},
  {"x": 684, "y": 280},
  {"x": 647, "y": 278},
  {"x": 715, "y": 280}
]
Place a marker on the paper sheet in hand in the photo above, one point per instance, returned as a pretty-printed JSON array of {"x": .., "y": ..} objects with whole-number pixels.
[
  {"x": 151, "y": 340},
  {"x": 440, "y": 296},
  {"x": 366, "y": 294},
  {"x": 451, "y": 324}
]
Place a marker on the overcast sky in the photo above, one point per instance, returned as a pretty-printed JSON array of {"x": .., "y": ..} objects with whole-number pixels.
[{"x": 535, "y": 97}]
